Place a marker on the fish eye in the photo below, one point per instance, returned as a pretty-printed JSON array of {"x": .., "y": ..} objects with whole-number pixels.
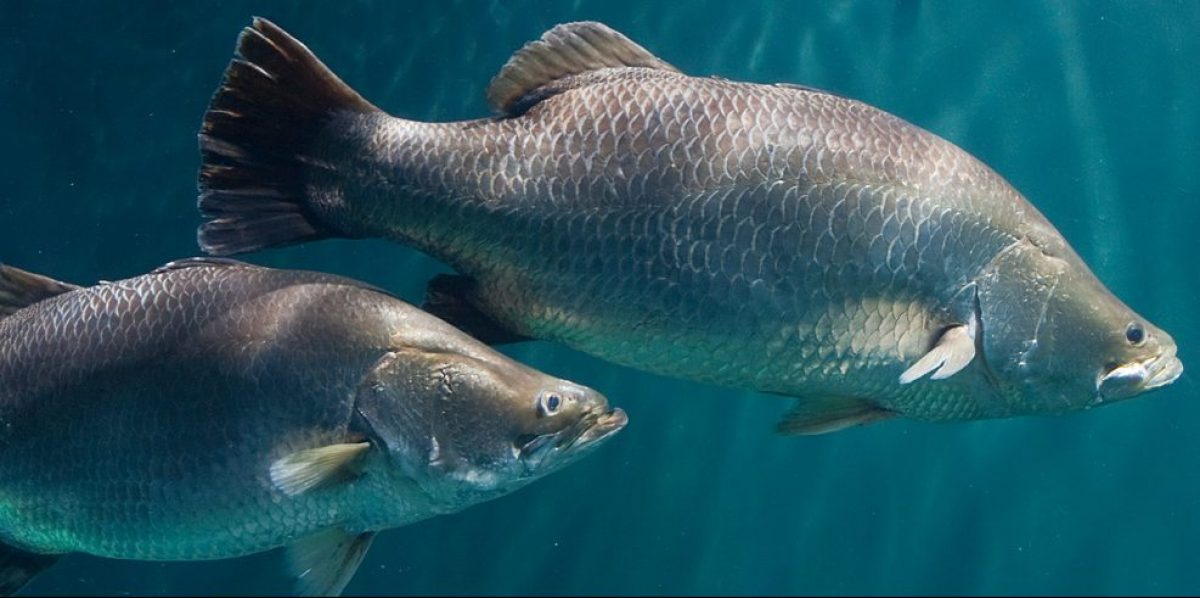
[
  {"x": 548, "y": 403},
  {"x": 1135, "y": 334}
]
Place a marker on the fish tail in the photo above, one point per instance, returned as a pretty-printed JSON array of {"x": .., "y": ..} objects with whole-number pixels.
[{"x": 257, "y": 141}]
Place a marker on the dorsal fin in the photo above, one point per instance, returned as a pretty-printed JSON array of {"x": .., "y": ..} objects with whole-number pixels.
[
  {"x": 567, "y": 49},
  {"x": 201, "y": 262},
  {"x": 19, "y": 288}
]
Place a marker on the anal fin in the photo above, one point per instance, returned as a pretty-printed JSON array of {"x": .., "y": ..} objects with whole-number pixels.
[
  {"x": 324, "y": 562},
  {"x": 829, "y": 413},
  {"x": 448, "y": 297},
  {"x": 18, "y": 567}
]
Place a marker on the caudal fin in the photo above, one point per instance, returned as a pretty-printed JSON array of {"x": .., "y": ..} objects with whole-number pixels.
[{"x": 257, "y": 139}]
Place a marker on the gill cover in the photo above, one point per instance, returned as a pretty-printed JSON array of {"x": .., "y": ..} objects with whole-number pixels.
[
  {"x": 1015, "y": 295},
  {"x": 392, "y": 409},
  {"x": 444, "y": 415}
]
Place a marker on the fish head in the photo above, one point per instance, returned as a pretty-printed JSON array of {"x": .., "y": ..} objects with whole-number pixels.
[
  {"x": 1058, "y": 340},
  {"x": 468, "y": 427}
]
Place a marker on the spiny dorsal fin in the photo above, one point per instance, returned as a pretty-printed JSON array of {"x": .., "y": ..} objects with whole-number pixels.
[
  {"x": 19, "y": 289},
  {"x": 201, "y": 262},
  {"x": 567, "y": 49}
]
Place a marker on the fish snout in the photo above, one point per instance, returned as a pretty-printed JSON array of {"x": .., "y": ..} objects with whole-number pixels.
[
  {"x": 1163, "y": 370},
  {"x": 1134, "y": 378},
  {"x": 603, "y": 425}
]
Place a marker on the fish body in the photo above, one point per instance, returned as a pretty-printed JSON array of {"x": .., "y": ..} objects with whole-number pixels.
[
  {"x": 216, "y": 409},
  {"x": 769, "y": 237}
]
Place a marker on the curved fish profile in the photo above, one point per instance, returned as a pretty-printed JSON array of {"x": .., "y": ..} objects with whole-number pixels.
[
  {"x": 770, "y": 237},
  {"x": 213, "y": 409}
]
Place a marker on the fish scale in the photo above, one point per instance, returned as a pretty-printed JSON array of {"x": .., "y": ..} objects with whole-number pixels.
[
  {"x": 769, "y": 237},
  {"x": 71, "y": 364},
  {"x": 212, "y": 409}
]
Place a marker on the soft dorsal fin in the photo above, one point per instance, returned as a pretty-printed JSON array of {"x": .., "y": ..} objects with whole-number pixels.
[
  {"x": 19, "y": 288},
  {"x": 567, "y": 49}
]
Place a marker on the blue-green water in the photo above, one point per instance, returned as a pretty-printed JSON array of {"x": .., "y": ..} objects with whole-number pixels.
[{"x": 1091, "y": 109}]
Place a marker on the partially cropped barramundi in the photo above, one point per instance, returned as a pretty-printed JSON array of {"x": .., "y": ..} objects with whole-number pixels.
[
  {"x": 214, "y": 409},
  {"x": 769, "y": 237}
]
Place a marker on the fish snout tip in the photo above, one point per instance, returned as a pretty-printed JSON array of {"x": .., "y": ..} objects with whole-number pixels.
[
  {"x": 1163, "y": 371},
  {"x": 610, "y": 423},
  {"x": 1138, "y": 377}
]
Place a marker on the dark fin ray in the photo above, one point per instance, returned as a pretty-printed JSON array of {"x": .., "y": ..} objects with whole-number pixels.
[
  {"x": 824, "y": 414},
  {"x": 19, "y": 567},
  {"x": 448, "y": 297},
  {"x": 565, "y": 50},
  {"x": 274, "y": 101},
  {"x": 324, "y": 562},
  {"x": 19, "y": 289}
]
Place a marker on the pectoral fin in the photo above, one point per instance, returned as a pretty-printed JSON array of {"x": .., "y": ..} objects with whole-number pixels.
[
  {"x": 304, "y": 470},
  {"x": 824, "y": 414},
  {"x": 953, "y": 352},
  {"x": 324, "y": 562}
]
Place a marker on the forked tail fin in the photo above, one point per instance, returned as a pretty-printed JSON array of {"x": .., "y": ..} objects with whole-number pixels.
[{"x": 257, "y": 139}]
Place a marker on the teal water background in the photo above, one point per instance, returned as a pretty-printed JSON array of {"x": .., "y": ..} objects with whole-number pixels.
[{"x": 1092, "y": 109}]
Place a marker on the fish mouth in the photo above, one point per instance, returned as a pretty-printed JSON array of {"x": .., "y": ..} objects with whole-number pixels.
[
  {"x": 1140, "y": 376},
  {"x": 591, "y": 429},
  {"x": 602, "y": 427},
  {"x": 1163, "y": 370}
]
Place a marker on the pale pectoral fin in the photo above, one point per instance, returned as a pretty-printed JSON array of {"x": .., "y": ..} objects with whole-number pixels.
[
  {"x": 824, "y": 414},
  {"x": 953, "y": 352},
  {"x": 324, "y": 562},
  {"x": 304, "y": 470}
]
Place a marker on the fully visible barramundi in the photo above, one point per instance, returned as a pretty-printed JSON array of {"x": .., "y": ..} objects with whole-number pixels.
[
  {"x": 214, "y": 409},
  {"x": 769, "y": 237}
]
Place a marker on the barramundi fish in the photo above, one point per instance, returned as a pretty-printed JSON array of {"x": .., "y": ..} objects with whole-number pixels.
[
  {"x": 770, "y": 237},
  {"x": 213, "y": 409}
]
